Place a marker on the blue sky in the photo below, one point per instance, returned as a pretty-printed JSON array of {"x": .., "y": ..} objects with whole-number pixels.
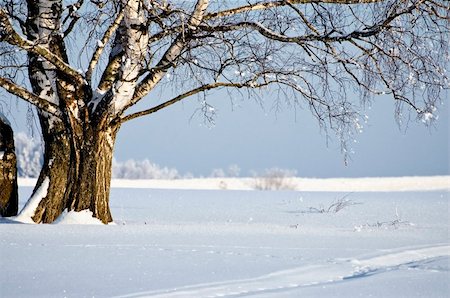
[{"x": 256, "y": 138}]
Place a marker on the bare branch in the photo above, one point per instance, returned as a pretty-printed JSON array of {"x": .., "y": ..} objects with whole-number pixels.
[
  {"x": 197, "y": 90},
  {"x": 102, "y": 43},
  {"x": 266, "y": 5},
  {"x": 8, "y": 34},
  {"x": 32, "y": 98},
  {"x": 357, "y": 34},
  {"x": 73, "y": 16},
  {"x": 172, "y": 54}
]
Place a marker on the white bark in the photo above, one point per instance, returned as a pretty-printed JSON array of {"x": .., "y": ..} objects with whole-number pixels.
[
  {"x": 170, "y": 56},
  {"x": 45, "y": 78},
  {"x": 135, "y": 48},
  {"x": 46, "y": 25}
]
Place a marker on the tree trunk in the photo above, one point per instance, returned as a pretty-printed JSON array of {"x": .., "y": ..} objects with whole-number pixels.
[
  {"x": 8, "y": 171},
  {"x": 50, "y": 196},
  {"x": 91, "y": 190},
  {"x": 57, "y": 168},
  {"x": 78, "y": 147},
  {"x": 76, "y": 174}
]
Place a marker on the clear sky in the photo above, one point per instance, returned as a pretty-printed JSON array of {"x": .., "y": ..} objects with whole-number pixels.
[{"x": 257, "y": 138}]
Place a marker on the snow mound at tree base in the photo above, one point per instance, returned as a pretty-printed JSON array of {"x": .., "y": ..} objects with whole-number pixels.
[{"x": 84, "y": 217}]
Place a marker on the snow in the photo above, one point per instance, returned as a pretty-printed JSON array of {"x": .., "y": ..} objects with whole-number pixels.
[
  {"x": 427, "y": 117},
  {"x": 25, "y": 216},
  {"x": 83, "y": 217},
  {"x": 303, "y": 276},
  {"x": 371, "y": 184},
  {"x": 239, "y": 243}
]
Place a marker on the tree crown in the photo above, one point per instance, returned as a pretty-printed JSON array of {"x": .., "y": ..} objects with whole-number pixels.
[{"x": 103, "y": 57}]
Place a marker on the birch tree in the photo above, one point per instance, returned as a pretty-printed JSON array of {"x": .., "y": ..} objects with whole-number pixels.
[{"x": 83, "y": 64}]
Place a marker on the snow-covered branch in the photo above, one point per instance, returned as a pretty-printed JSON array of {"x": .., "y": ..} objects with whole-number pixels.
[
  {"x": 30, "y": 97},
  {"x": 326, "y": 37}
]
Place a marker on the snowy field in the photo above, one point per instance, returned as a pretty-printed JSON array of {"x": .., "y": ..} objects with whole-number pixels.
[{"x": 239, "y": 243}]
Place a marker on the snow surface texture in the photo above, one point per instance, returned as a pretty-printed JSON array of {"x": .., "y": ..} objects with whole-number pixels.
[
  {"x": 313, "y": 275},
  {"x": 215, "y": 243},
  {"x": 83, "y": 217}
]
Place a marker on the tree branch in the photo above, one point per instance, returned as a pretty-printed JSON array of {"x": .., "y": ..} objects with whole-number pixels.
[
  {"x": 32, "y": 98},
  {"x": 326, "y": 38},
  {"x": 102, "y": 43},
  {"x": 9, "y": 35},
  {"x": 172, "y": 53},
  {"x": 110, "y": 73},
  {"x": 134, "y": 47},
  {"x": 203, "y": 88},
  {"x": 74, "y": 15},
  {"x": 265, "y": 5}
]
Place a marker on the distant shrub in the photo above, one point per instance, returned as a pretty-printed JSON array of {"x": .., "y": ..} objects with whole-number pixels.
[
  {"x": 29, "y": 152},
  {"x": 145, "y": 169},
  {"x": 275, "y": 179},
  {"x": 232, "y": 171}
]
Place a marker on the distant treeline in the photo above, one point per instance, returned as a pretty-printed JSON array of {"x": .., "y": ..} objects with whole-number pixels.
[{"x": 29, "y": 162}]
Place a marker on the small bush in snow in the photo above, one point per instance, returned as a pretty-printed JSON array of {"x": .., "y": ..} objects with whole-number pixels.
[
  {"x": 275, "y": 179},
  {"x": 386, "y": 225},
  {"x": 335, "y": 206}
]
